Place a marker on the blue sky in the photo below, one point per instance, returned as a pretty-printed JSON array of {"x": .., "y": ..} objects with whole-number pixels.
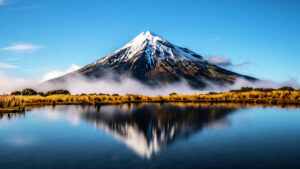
[{"x": 259, "y": 38}]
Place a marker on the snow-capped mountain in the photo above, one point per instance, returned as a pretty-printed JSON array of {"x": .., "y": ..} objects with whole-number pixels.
[
  {"x": 153, "y": 60},
  {"x": 153, "y": 48}
]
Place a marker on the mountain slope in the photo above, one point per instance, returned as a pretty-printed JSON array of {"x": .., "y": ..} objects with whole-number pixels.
[{"x": 153, "y": 60}]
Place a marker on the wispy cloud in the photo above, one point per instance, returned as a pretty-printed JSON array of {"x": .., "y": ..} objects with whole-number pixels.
[
  {"x": 212, "y": 39},
  {"x": 21, "y": 47},
  {"x": 12, "y": 5},
  {"x": 224, "y": 61},
  {"x": 13, "y": 58},
  {"x": 7, "y": 66},
  {"x": 55, "y": 73},
  {"x": 219, "y": 61},
  {"x": 244, "y": 64},
  {"x": 24, "y": 8}
]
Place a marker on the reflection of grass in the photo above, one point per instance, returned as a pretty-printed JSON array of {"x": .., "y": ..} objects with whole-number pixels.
[
  {"x": 276, "y": 97},
  {"x": 12, "y": 109}
]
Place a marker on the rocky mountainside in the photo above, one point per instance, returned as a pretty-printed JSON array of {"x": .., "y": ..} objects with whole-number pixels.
[{"x": 153, "y": 60}]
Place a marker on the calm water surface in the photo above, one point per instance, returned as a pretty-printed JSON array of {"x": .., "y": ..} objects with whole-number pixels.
[{"x": 151, "y": 136}]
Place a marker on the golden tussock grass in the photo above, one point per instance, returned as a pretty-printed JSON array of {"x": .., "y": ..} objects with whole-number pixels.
[{"x": 276, "y": 97}]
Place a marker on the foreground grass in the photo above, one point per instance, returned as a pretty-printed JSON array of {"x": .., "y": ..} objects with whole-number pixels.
[{"x": 10, "y": 103}]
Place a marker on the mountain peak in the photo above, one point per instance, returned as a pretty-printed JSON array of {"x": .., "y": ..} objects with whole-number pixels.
[
  {"x": 149, "y": 33},
  {"x": 155, "y": 48},
  {"x": 146, "y": 37},
  {"x": 153, "y": 60}
]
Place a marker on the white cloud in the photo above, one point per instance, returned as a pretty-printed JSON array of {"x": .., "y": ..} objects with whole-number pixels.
[
  {"x": 219, "y": 61},
  {"x": 55, "y": 73},
  {"x": 6, "y": 66},
  {"x": 224, "y": 61},
  {"x": 79, "y": 84},
  {"x": 244, "y": 64},
  {"x": 9, "y": 83},
  {"x": 21, "y": 47}
]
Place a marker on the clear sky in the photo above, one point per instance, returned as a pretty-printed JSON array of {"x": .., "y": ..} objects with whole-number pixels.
[{"x": 259, "y": 38}]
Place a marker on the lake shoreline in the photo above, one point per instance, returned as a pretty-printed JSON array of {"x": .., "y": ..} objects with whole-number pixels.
[{"x": 17, "y": 103}]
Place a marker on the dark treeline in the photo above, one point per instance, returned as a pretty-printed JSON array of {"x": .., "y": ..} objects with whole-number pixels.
[
  {"x": 31, "y": 92},
  {"x": 247, "y": 89}
]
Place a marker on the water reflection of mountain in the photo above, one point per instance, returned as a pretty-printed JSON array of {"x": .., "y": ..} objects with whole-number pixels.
[{"x": 148, "y": 128}]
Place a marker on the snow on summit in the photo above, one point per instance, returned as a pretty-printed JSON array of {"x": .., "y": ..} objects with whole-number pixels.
[{"x": 154, "y": 48}]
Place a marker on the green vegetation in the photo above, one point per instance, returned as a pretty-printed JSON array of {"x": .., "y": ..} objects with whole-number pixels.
[
  {"x": 28, "y": 92},
  {"x": 55, "y": 92},
  {"x": 31, "y": 92},
  {"x": 286, "y": 88},
  {"x": 16, "y": 92},
  {"x": 247, "y": 89}
]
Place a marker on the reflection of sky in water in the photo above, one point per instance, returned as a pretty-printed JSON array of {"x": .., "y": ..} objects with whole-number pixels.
[
  {"x": 164, "y": 135},
  {"x": 220, "y": 124},
  {"x": 20, "y": 140},
  {"x": 145, "y": 129}
]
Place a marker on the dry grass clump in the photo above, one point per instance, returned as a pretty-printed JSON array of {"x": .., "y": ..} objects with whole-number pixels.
[
  {"x": 11, "y": 104},
  {"x": 269, "y": 97}
]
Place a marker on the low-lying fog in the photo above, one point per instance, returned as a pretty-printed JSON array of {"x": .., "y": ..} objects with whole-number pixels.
[{"x": 79, "y": 84}]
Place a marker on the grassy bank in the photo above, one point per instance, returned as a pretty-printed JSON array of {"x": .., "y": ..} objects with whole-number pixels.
[{"x": 276, "y": 97}]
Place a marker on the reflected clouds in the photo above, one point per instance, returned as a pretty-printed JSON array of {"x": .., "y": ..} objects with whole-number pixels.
[{"x": 21, "y": 141}]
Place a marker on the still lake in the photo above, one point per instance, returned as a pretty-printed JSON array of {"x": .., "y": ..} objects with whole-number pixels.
[{"x": 151, "y": 136}]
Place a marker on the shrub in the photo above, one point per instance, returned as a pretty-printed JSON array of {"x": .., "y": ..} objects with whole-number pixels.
[
  {"x": 103, "y": 94},
  {"x": 54, "y": 92},
  {"x": 286, "y": 88},
  {"x": 29, "y": 92},
  {"x": 41, "y": 93},
  {"x": 16, "y": 92},
  {"x": 171, "y": 94},
  {"x": 246, "y": 89},
  {"x": 264, "y": 89},
  {"x": 137, "y": 98},
  {"x": 243, "y": 89}
]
